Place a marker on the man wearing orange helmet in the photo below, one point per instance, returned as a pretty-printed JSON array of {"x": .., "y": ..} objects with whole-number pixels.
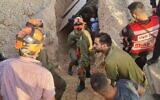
[
  {"x": 23, "y": 77},
  {"x": 37, "y": 24},
  {"x": 84, "y": 46}
]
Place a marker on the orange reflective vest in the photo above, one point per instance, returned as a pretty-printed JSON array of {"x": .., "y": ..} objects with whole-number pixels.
[{"x": 144, "y": 35}]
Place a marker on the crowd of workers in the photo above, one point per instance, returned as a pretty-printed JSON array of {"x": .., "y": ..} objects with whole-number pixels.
[
  {"x": 125, "y": 78},
  {"x": 24, "y": 77}
]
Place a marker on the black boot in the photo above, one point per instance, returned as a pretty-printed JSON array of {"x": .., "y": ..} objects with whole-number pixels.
[
  {"x": 81, "y": 86},
  {"x": 70, "y": 71},
  {"x": 88, "y": 74}
]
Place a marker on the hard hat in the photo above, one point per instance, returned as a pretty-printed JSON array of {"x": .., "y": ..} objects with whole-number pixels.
[
  {"x": 30, "y": 39},
  {"x": 35, "y": 22}
]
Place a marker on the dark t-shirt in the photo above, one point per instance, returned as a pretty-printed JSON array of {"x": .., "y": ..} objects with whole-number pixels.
[{"x": 126, "y": 90}]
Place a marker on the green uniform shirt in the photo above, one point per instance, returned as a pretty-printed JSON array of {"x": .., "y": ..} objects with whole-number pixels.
[
  {"x": 84, "y": 45},
  {"x": 72, "y": 40},
  {"x": 120, "y": 65}
]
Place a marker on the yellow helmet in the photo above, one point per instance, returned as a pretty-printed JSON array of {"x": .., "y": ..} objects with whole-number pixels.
[{"x": 29, "y": 39}]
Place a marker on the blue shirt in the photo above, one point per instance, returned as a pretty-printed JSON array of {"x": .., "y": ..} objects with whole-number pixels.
[{"x": 126, "y": 90}]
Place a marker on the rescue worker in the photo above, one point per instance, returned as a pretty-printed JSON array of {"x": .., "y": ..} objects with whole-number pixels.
[
  {"x": 23, "y": 77},
  {"x": 118, "y": 63},
  {"x": 84, "y": 46},
  {"x": 44, "y": 59},
  {"x": 155, "y": 7},
  {"x": 139, "y": 37},
  {"x": 73, "y": 38}
]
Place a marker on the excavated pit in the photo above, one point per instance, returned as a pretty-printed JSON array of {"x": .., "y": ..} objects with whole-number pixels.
[{"x": 112, "y": 14}]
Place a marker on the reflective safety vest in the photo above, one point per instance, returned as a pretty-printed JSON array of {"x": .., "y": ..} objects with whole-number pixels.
[{"x": 144, "y": 35}]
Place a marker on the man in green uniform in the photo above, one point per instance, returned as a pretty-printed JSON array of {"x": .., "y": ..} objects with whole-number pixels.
[
  {"x": 118, "y": 64},
  {"x": 73, "y": 38},
  {"x": 84, "y": 46}
]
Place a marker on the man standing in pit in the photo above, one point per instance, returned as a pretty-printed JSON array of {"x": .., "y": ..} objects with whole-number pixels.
[
  {"x": 84, "y": 47},
  {"x": 73, "y": 38}
]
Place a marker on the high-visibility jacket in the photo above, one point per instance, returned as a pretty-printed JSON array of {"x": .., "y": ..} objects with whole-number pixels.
[{"x": 144, "y": 35}]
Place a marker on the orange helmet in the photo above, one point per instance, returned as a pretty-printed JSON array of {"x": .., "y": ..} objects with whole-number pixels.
[
  {"x": 79, "y": 23},
  {"x": 35, "y": 22},
  {"x": 29, "y": 39}
]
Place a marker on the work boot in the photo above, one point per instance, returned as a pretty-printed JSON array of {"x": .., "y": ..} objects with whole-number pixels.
[
  {"x": 88, "y": 74},
  {"x": 81, "y": 86},
  {"x": 152, "y": 61}
]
